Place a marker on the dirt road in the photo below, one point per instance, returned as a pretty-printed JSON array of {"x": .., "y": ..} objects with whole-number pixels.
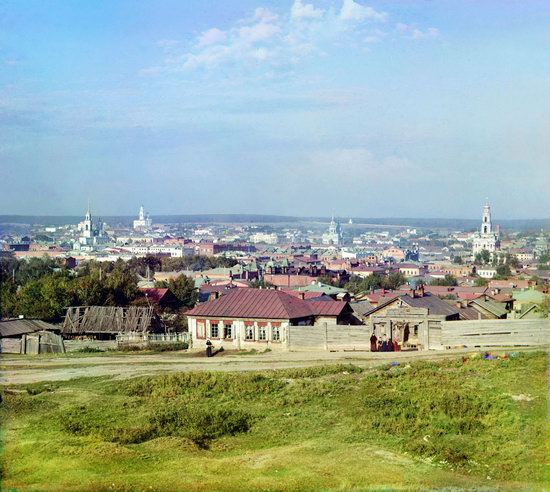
[{"x": 23, "y": 370}]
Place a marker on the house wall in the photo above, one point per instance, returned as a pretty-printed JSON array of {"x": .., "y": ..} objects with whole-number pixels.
[{"x": 238, "y": 340}]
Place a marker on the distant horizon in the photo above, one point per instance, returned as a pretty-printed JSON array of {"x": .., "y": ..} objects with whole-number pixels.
[{"x": 280, "y": 217}]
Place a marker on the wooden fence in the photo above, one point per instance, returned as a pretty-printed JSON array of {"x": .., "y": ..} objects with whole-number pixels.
[
  {"x": 328, "y": 337},
  {"x": 495, "y": 333},
  {"x": 440, "y": 335}
]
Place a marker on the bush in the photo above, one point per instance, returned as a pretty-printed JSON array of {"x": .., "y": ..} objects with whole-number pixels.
[
  {"x": 200, "y": 424},
  {"x": 89, "y": 350}
]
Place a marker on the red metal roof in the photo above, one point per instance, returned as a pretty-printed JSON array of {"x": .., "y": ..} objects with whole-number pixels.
[
  {"x": 254, "y": 303},
  {"x": 327, "y": 308},
  {"x": 154, "y": 294}
]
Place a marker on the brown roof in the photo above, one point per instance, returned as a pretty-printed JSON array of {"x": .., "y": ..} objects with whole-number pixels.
[
  {"x": 155, "y": 294},
  {"x": 433, "y": 303},
  {"x": 254, "y": 303}
]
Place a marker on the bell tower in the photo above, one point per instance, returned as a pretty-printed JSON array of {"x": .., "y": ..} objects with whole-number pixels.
[{"x": 486, "y": 226}]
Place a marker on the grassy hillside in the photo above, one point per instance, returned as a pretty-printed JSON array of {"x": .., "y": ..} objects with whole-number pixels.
[{"x": 475, "y": 424}]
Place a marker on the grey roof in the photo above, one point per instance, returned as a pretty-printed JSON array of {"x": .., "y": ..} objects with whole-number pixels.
[
  {"x": 496, "y": 308},
  {"x": 361, "y": 307},
  {"x": 433, "y": 303},
  {"x": 17, "y": 327}
]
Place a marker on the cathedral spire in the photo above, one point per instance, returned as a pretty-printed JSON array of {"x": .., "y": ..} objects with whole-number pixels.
[{"x": 88, "y": 212}]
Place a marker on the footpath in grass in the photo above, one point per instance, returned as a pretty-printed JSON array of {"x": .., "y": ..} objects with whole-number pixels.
[{"x": 463, "y": 424}]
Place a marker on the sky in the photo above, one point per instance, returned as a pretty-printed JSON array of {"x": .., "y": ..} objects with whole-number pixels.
[{"x": 406, "y": 108}]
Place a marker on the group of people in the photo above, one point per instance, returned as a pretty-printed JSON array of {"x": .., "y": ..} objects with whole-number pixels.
[{"x": 384, "y": 344}]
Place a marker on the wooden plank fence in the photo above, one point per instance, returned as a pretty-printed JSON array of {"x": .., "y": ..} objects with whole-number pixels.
[
  {"x": 441, "y": 335},
  {"x": 328, "y": 337},
  {"x": 495, "y": 333},
  {"x": 107, "y": 319}
]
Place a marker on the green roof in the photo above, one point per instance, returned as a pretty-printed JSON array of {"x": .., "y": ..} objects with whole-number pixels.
[
  {"x": 529, "y": 295},
  {"x": 323, "y": 288},
  {"x": 235, "y": 270}
]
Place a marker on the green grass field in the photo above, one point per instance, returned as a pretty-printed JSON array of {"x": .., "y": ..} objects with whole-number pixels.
[{"x": 451, "y": 425}]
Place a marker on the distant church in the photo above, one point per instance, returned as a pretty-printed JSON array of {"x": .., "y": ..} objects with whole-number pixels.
[
  {"x": 334, "y": 234},
  {"x": 92, "y": 233},
  {"x": 144, "y": 222},
  {"x": 486, "y": 238}
]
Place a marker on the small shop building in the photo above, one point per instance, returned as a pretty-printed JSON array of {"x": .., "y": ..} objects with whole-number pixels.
[{"x": 258, "y": 318}]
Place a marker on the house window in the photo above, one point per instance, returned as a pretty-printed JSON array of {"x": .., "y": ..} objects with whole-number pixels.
[
  {"x": 200, "y": 330},
  {"x": 228, "y": 331},
  {"x": 214, "y": 332},
  {"x": 249, "y": 333},
  {"x": 262, "y": 333},
  {"x": 275, "y": 334}
]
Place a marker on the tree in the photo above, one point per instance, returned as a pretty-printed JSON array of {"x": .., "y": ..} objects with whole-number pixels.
[
  {"x": 512, "y": 261},
  {"x": 121, "y": 285},
  {"x": 45, "y": 298},
  {"x": 183, "y": 287},
  {"x": 325, "y": 279},
  {"x": 457, "y": 260},
  {"x": 503, "y": 271},
  {"x": 480, "y": 282},
  {"x": 358, "y": 284},
  {"x": 261, "y": 284},
  {"x": 449, "y": 280},
  {"x": 485, "y": 257},
  {"x": 393, "y": 281}
]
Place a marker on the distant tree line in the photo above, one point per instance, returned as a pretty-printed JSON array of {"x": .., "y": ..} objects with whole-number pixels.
[{"x": 43, "y": 287}]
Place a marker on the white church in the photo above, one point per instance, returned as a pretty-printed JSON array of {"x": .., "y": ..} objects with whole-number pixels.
[
  {"x": 144, "y": 222},
  {"x": 92, "y": 233},
  {"x": 334, "y": 234},
  {"x": 486, "y": 238}
]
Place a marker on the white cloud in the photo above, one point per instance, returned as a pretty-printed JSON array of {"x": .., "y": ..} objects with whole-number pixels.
[
  {"x": 212, "y": 36},
  {"x": 258, "y": 32},
  {"x": 301, "y": 10},
  {"x": 353, "y": 11},
  {"x": 411, "y": 31},
  {"x": 265, "y": 15},
  {"x": 281, "y": 40}
]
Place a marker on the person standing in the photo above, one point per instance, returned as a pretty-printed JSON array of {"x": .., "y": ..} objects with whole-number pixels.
[
  {"x": 384, "y": 346},
  {"x": 373, "y": 343},
  {"x": 208, "y": 348}
]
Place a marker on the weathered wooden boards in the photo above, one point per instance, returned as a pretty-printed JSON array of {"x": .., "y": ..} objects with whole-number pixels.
[{"x": 107, "y": 319}]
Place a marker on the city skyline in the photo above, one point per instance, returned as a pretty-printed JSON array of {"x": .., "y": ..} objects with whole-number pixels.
[{"x": 377, "y": 109}]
